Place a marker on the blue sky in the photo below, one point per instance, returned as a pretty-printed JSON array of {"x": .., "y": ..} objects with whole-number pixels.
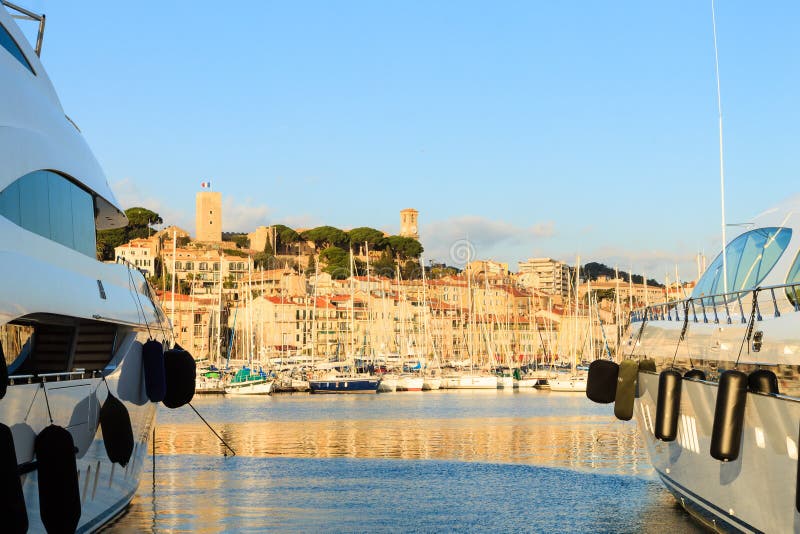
[{"x": 532, "y": 128}]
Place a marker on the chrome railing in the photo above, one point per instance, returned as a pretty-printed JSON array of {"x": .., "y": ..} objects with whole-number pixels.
[{"x": 724, "y": 308}]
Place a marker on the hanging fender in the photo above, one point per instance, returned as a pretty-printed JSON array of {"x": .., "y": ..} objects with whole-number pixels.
[
  {"x": 694, "y": 374},
  {"x": 601, "y": 384},
  {"x": 726, "y": 435},
  {"x": 154, "y": 375},
  {"x": 115, "y": 424},
  {"x": 762, "y": 381},
  {"x": 181, "y": 372},
  {"x": 57, "y": 473},
  {"x": 626, "y": 389},
  {"x": 668, "y": 405},
  {"x": 15, "y": 517}
]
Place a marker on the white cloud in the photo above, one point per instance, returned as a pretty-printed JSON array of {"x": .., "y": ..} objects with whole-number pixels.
[
  {"x": 129, "y": 196},
  {"x": 243, "y": 217},
  {"x": 654, "y": 263},
  {"x": 455, "y": 240}
]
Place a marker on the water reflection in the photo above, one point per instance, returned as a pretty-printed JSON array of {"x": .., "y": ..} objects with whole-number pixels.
[
  {"x": 576, "y": 442},
  {"x": 428, "y": 462}
]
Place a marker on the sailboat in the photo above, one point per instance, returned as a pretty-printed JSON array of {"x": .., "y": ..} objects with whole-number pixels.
[
  {"x": 248, "y": 381},
  {"x": 431, "y": 376},
  {"x": 575, "y": 380},
  {"x": 341, "y": 376}
]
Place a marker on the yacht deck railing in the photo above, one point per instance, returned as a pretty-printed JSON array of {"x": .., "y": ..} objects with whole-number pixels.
[{"x": 725, "y": 308}]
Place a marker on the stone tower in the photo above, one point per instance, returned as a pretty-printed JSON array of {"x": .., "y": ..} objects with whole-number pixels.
[
  {"x": 208, "y": 216},
  {"x": 408, "y": 223}
]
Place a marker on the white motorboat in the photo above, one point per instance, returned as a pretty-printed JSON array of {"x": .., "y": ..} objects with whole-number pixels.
[
  {"x": 209, "y": 381},
  {"x": 72, "y": 329},
  {"x": 568, "y": 383},
  {"x": 469, "y": 381},
  {"x": 724, "y": 437}
]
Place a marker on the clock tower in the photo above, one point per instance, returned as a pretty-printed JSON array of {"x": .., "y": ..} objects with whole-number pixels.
[{"x": 408, "y": 223}]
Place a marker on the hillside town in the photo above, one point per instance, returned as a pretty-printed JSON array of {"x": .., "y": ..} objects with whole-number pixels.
[{"x": 229, "y": 304}]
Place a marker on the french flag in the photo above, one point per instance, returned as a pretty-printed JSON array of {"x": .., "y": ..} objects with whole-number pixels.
[{"x": 205, "y": 185}]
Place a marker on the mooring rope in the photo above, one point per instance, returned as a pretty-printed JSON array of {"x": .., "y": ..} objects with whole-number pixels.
[{"x": 213, "y": 431}]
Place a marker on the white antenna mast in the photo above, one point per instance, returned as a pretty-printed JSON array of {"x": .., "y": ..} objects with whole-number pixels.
[{"x": 721, "y": 160}]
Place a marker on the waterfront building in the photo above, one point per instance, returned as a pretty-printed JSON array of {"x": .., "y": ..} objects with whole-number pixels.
[
  {"x": 546, "y": 275},
  {"x": 275, "y": 282},
  {"x": 203, "y": 268},
  {"x": 641, "y": 292},
  {"x": 488, "y": 268},
  {"x": 166, "y": 235},
  {"x": 141, "y": 253},
  {"x": 193, "y": 320}
]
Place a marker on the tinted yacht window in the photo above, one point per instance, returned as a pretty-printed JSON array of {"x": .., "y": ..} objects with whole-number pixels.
[
  {"x": 8, "y": 42},
  {"x": 48, "y": 204},
  {"x": 793, "y": 292},
  {"x": 750, "y": 258}
]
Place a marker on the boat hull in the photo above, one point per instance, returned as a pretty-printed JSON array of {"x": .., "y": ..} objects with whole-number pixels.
[
  {"x": 471, "y": 382},
  {"x": 106, "y": 489},
  {"x": 388, "y": 384},
  {"x": 505, "y": 382},
  {"x": 344, "y": 385},
  {"x": 410, "y": 383},
  {"x": 721, "y": 495},
  {"x": 209, "y": 387},
  {"x": 430, "y": 383},
  {"x": 568, "y": 385},
  {"x": 254, "y": 387}
]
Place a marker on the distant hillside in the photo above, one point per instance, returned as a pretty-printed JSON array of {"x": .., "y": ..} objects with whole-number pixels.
[{"x": 593, "y": 270}]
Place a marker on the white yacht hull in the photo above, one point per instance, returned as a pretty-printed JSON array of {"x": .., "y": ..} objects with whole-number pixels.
[
  {"x": 105, "y": 488},
  {"x": 723, "y": 495}
]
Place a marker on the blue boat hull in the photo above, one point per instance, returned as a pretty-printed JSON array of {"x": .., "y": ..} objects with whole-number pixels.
[{"x": 345, "y": 385}]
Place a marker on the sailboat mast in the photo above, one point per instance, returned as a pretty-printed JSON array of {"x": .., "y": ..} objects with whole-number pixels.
[
  {"x": 219, "y": 313},
  {"x": 174, "y": 277}
]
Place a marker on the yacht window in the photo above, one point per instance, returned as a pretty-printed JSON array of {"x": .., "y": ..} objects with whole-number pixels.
[
  {"x": 750, "y": 258},
  {"x": 8, "y": 42},
  {"x": 793, "y": 292},
  {"x": 52, "y": 206}
]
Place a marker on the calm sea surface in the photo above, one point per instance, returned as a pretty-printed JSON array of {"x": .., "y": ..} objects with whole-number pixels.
[{"x": 432, "y": 461}]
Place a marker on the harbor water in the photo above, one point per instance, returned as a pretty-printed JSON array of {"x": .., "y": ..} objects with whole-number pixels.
[{"x": 532, "y": 461}]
